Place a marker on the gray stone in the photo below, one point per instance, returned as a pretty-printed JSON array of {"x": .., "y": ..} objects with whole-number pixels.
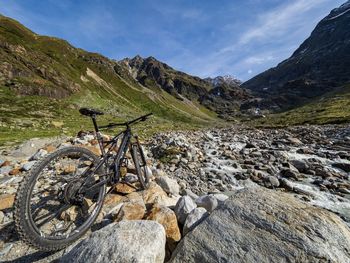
[
  {"x": 221, "y": 198},
  {"x": 126, "y": 241},
  {"x": 131, "y": 178},
  {"x": 344, "y": 166},
  {"x": 273, "y": 181},
  {"x": 194, "y": 219},
  {"x": 183, "y": 207},
  {"x": 261, "y": 225},
  {"x": 169, "y": 185},
  {"x": 209, "y": 202},
  {"x": 190, "y": 194},
  {"x": 286, "y": 184},
  {"x": 5, "y": 170},
  {"x": 39, "y": 154},
  {"x": 27, "y": 166},
  {"x": 301, "y": 165}
]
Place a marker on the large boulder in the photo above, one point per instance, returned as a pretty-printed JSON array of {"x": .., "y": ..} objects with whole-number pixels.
[
  {"x": 126, "y": 241},
  {"x": 261, "y": 225},
  {"x": 167, "y": 218}
]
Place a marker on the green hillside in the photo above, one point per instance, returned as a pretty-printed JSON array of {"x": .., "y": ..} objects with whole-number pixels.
[
  {"x": 333, "y": 107},
  {"x": 45, "y": 80}
]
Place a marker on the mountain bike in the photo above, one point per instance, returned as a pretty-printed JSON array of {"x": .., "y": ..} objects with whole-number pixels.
[{"x": 62, "y": 195}]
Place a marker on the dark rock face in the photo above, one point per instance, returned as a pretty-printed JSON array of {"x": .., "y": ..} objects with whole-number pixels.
[
  {"x": 321, "y": 64},
  {"x": 258, "y": 225}
]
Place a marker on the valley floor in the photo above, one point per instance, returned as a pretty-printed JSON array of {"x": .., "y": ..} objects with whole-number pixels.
[{"x": 309, "y": 162}]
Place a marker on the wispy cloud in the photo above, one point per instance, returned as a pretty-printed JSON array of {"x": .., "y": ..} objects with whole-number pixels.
[{"x": 277, "y": 22}]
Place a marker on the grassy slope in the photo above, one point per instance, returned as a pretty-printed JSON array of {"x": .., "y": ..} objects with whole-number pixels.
[
  {"x": 333, "y": 107},
  {"x": 31, "y": 116}
]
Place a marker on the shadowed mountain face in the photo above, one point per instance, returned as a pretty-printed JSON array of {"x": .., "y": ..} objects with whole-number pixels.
[{"x": 320, "y": 65}]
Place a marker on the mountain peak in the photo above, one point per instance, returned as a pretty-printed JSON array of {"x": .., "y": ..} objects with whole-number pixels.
[{"x": 222, "y": 80}]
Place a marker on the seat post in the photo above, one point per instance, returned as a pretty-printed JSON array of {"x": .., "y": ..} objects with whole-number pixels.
[
  {"x": 93, "y": 117},
  {"x": 98, "y": 134}
]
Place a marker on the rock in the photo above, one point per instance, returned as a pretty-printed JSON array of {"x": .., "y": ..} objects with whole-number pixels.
[
  {"x": 169, "y": 185},
  {"x": 152, "y": 193},
  {"x": 124, "y": 188},
  {"x": 38, "y": 155},
  {"x": 131, "y": 178},
  {"x": 261, "y": 225},
  {"x": 69, "y": 168},
  {"x": 6, "y": 201},
  {"x": 294, "y": 141},
  {"x": 301, "y": 165},
  {"x": 250, "y": 145},
  {"x": 5, "y": 163},
  {"x": 183, "y": 207},
  {"x": 156, "y": 195},
  {"x": 15, "y": 171},
  {"x": 221, "y": 198},
  {"x": 5, "y": 170},
  {"x": 190, "y": 194},
  {"x": 272, "y": 181},
  {"x": 289, "y": 173},
  {"x": 286, "y": 184},
  {"x": 209, "y": 202},
  {"x": 27, "y": 166},
  {"x": 194, "y": 218},
  {"x": 57, "y": 124},
  {"x": 131, "y": 210},
  {"x": 344, "y": 166},
  {"x": 49, "y": 148},
  {"x": 167, "y": 218},
  {"x": 127, "y": 241},
  {"x": 70, "y": 214},
  {"x": 95, "y": 149}
]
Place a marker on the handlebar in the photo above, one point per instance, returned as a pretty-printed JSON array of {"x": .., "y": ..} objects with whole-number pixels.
[{"x": 128, "y": 123}]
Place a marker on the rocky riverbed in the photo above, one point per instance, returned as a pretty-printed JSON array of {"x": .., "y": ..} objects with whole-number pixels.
[{"x": 311, "y": 163}]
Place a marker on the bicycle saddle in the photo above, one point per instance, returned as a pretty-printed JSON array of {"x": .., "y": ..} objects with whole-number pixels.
[{"x": 90, "y": 112}]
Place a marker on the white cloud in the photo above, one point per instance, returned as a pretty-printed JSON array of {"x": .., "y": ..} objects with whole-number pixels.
[
  {"x": 278, "y": 21},
  {"x": 258, "y": 59}
]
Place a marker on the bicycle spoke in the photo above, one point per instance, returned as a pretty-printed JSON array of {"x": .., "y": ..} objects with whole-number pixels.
[{"x": 65, "y": 207}]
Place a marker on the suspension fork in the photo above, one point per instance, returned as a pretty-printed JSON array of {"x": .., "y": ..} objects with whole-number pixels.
[{"x": 138, "y": 145}]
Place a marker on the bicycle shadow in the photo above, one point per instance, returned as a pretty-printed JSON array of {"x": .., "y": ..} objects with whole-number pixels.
[{"x": 9, "y": 235}]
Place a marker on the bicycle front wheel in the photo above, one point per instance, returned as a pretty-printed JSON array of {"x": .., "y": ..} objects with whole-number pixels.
[{"x": 50, "y": 210}]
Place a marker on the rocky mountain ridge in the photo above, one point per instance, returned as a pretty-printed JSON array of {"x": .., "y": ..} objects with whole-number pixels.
[
  {"x": 221, "y": 94},
  {"x": 320, "y": 65}
]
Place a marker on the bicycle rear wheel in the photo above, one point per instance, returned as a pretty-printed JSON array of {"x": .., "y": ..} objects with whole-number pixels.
[
  {"x": 50, "y": 213},
  {"x": 140, "y": 165}
]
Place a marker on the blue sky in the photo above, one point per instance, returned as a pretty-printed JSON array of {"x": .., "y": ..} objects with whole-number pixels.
[{"x": 203, "y": 37}]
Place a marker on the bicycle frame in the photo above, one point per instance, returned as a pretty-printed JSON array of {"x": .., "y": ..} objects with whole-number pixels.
[{"x": 112, "y": 177}]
